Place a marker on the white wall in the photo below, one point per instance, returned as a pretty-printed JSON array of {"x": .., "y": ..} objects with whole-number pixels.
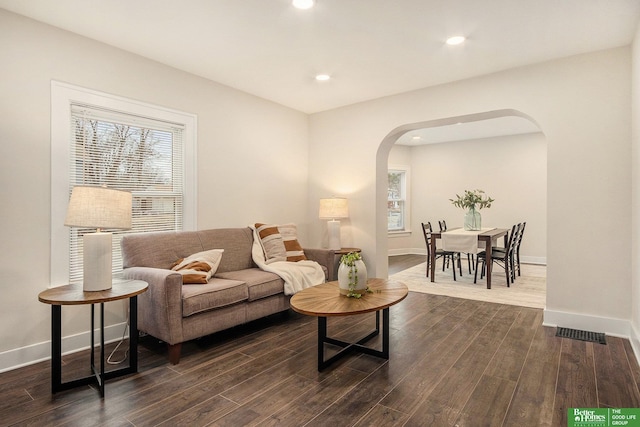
[
  {"x": 510, "y": 169},
  {"x": 582, "y": 106},
  {"x": 635, "y": 158},
  {"x": 252, "y": 162}
]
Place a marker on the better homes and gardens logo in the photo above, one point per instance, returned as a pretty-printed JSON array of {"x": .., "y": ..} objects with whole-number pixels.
[{"x": 603, "y": 417}]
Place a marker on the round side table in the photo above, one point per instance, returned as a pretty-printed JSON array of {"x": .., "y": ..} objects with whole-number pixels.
[{"x": 74, "y": 295}]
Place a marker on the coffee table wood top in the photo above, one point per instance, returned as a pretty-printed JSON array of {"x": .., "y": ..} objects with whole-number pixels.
[{"x": 325, "y": 300}]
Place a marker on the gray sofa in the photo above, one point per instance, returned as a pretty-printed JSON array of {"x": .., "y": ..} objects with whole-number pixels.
[{"x": 239, "y": 292}]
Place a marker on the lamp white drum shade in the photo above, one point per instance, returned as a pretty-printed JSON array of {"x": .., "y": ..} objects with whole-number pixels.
[
  {"x": 98, "y": 207},
  {"x": 332, "y": 209}
]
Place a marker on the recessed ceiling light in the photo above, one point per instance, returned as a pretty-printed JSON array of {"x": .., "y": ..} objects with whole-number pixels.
[
  {"x": 455, "y": 40},
  {"x": 323, "y": 77},
  {"x": 415, "y": 137},
  {"x": 303, "y": 4}
]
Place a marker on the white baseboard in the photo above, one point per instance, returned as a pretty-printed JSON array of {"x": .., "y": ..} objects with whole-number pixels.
[
  {"x": 421, "y": 251},
  {"x": 614, "y": 327},
  {"x": 407, "y": 251},
  {"x": 24, "y": 356},
  {"x": 634, "y": 339}
]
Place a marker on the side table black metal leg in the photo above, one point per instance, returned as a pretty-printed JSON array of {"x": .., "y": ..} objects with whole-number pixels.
[
  {"x": 56, "y": 348},
  {"x": 133, "y": 334},
  {"x": 92, "y": 357},
  {"x": 101, "y": 379}
]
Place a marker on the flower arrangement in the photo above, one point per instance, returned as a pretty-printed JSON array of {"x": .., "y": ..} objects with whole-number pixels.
[
  {"x": 349, "y": 260},
  {"x": 472, "y": 199}
]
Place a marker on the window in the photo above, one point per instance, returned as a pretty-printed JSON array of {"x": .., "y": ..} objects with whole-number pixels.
[
  {"x": 122, "y": 144},
  {"x": 397, "y": 200}
]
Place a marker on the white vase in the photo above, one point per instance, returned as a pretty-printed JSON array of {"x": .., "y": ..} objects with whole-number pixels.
[{"x": 358, "y": 276}]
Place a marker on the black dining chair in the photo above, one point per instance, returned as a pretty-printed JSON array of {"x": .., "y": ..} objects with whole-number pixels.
[
  {"x": 517, "y": 248},
  {"x": 503, "y": 258},
  {"x": 515, "y": 259},
  {"x": 440, "y": 253}
]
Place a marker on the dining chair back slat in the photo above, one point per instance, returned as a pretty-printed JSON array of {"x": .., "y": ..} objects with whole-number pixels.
[
  {"x": 506, "y": 257},
  {"x": 440, "y": 253}
]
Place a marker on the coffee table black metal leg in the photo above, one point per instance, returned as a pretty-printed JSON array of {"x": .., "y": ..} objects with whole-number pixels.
[
  {"x": 357, "y": 346},
  {"x": 385, "y": 332},
  {"x": 322, "y": 337}
]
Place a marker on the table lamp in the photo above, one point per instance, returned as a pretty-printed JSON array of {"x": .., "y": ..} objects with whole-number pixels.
[
  {"x": 98, "y": 207},
  {"x": 332, "y": 209}
]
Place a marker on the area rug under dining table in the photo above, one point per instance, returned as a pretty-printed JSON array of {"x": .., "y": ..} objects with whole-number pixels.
[{"x": 529, "y": 289}]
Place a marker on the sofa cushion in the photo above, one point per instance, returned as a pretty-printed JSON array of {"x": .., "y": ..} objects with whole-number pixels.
[
  {"x": 199, "y": 267},
  {"x": 260, "y": 283},
  {"x": 236, "y": 242},
  {"x": 215, "y": 294}
]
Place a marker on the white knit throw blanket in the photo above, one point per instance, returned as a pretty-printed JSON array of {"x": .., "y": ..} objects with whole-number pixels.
[{"x": 296, "y": 275}]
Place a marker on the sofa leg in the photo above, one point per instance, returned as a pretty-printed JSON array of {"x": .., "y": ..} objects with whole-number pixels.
[{"x": 174, "y": 353}]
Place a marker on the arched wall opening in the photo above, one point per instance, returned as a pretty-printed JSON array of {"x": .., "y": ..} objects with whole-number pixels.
[{"x": 497, "y": 155}]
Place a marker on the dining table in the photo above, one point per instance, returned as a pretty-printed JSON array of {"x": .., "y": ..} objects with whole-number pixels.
[{"x": 458, "y": 238}]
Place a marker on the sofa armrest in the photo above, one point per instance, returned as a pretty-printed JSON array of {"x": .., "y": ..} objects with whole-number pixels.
[
  {"x": 160, "y": 308},
  {"x": 326, "y": 258}
]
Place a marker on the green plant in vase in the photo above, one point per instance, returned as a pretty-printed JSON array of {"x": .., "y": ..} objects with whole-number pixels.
[
  {"x": 352, "y": 275},
  {"x": 472, "y": 200}
]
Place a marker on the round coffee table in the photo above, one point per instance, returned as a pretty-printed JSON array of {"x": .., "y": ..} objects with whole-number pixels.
[{"x": 325, "y": 300}]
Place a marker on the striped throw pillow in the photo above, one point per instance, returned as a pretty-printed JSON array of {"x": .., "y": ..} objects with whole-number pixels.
[
  {"x": 271, "y": 242},
  {"x": 280, "y": 242},
  {"x": 199, "y": 267},
  {"x": 294, "y": 250}
]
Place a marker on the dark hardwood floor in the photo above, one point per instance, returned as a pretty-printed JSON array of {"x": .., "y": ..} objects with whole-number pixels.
[
  {"x": 397, "y": 263},
  {"x": 453, "y": 362}
]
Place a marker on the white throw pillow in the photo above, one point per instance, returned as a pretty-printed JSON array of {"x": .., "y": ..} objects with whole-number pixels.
[{"x": 199, "y": 267}]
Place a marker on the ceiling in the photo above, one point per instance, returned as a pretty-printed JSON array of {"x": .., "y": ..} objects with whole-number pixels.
[
  {"x": 371, "y": 48},
  {"x": 477, "y": 129}
]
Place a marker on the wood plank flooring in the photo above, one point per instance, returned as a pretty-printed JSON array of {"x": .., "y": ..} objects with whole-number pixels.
[{"x": 454, "y": 362}]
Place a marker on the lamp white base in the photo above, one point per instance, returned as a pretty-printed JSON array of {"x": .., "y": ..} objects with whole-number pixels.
[
  {"x": 334, "y": 234},
  {"x": 97, "y": 262}
]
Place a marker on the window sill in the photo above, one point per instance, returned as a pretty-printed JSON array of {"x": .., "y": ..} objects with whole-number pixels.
[{"x": 403, "y": 233}]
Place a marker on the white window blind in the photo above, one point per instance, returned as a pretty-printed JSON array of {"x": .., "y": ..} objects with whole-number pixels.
[{"x": 128, "y": 152}]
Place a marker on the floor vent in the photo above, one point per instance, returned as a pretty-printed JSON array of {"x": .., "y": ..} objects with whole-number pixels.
[{"x": 581, "y": 335}]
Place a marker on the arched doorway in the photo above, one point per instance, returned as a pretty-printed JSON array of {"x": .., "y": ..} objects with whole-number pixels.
[{"x": 508, "y": 209}]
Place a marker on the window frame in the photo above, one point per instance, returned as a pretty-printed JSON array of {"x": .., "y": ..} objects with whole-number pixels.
[
  {"x": 63, "y": 95},
  {"x": 406, "y": 170}
]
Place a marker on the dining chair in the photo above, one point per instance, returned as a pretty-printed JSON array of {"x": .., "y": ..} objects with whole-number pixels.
[
  {"x": 515, "y": 259},
  {"x": 516, "y": 253},
  {"x": 440, "y": 253},
  {"x": 503, "y": 258}
]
